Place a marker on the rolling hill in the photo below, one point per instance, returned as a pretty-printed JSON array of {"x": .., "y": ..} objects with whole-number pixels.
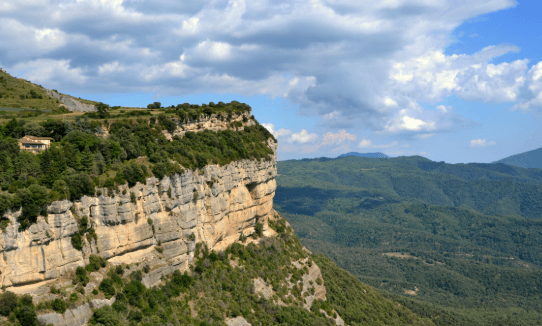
[
  {"x": 373, "y": 155},
  {"x": 530, "y": 159}
]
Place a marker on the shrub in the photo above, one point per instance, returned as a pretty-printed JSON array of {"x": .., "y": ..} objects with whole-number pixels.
[
  {"x": 107, "y": 287},
  {"x": 77, "y": 241},
  {"x": 8, "y": 302},
  {"x": 135, "y": 315},
  {"x": 59, "y": 306},
  {"x": 27, "y": 316},
  {"x": 119, "y": 270},
  {"x": 106, "y": 316},
  {"x": 74, "y": 297},
  {"x": 80, "y": 277},
  {"x": 26, "y": 300},
  {"x": 258, "y": 229},
  {"x": 95, "y": 263}
]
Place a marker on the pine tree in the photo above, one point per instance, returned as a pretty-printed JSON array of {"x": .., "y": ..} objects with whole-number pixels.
[
  {"x": 45, "y": 162},
  {"x": 87, "y": 159}
]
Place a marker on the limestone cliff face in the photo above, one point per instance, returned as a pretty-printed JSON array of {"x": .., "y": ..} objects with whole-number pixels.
[{"x": 211, "y": 206}]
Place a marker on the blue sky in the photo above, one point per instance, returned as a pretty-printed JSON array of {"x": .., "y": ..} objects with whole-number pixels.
[{"x": 451, "y": 80}]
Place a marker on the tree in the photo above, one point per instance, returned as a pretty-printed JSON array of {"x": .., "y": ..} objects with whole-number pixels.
[
  {"x": 102, "y": 110},
  {"x": 32, "y": 199},
  {"x": 59, "y": 306},
  {"x": 105, "y": 316},
  {"x": 45, "y": 162},
  {"x": 8, "y": 302},
  {"x": 157, "y": 105},
  {"x": 87, "y": 159},
  {"x": 55, "y": 129},
  {"x": 151, "y": 106},
  {"x": 27, "y": 316},
  {"x": 33, "y": 129}
]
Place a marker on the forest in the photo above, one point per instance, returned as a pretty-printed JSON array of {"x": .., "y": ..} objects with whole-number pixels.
[{"x": 461, "y": 236}]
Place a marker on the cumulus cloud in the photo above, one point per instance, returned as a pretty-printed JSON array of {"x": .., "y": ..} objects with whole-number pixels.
[
  {"x": 337, "y": 138},
  {"x": 355, "y": 64},
  {"x": 302, "y": 137},
  {"x": 423, "y": 123},
  {"x": 277, "y": 133},
  {"x": 478, "y": 143}
]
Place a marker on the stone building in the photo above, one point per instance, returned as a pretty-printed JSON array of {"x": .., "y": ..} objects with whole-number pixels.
[{"x": 34, "y": 144}]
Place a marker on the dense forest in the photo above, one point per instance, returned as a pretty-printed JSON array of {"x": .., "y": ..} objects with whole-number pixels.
[{"x": 462, "y": 235}]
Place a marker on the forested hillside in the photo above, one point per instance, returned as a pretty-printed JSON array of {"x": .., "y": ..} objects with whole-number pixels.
[
  {"x": 463, "y": 235},
  {"x": 530, "y": 159}
]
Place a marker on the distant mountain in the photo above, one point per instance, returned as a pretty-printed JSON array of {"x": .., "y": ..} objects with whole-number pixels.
[
  {"x": 372, "y": 155},
  {"x": 530, "y": 159}
]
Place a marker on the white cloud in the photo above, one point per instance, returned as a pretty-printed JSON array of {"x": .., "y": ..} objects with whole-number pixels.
[
  {"x": 478, "y": 143},
  {"x": 302, "y": 137},
  {"x": 534, "y": 80},
  {"x": 283, "y": 132},
  {"x": 214, "y": 50},
  {"x": 46, "y": 70},
  {"x": 423, "y": 123},
  {"x": 338, "y": 138},
  {"x": 109, "y": 68}
]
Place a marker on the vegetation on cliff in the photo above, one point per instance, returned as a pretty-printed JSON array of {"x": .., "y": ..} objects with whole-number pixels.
[
  {"x": 220, "y": 285},
  {"x": 82, "y": 159}
]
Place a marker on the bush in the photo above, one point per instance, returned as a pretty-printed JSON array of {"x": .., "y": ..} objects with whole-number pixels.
[
  {"x": 8, "y": 302},
  {"x": 146, "y": 269},
  {"x": 26, "y": 300},
  {"x": 258, "y": 229},
  {"x": 107, "y": 287},
  {"x": 80, "y": 277},
  {"x": 95, "y": 263},
  {"x": 105, "y": 316},
  {"x": 77, "y": 241},
  {"x": 27, "y": 316},
  {"x": 119, "y": 270},
  {"x": 74, "y": 297},
  {"x": 135, "y": 315},
  {"x": 59, "y": 306}
]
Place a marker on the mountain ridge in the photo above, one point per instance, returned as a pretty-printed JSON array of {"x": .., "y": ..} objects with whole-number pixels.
[
  {"x": 371, "y": 155},
  {"x": 529, "y": 159}
]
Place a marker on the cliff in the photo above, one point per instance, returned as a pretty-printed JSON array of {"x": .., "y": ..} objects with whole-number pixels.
[{"x": 214, "y": 204}]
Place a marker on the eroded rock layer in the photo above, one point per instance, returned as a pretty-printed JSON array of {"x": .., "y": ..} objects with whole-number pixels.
[{"x": 207, "y": 206}]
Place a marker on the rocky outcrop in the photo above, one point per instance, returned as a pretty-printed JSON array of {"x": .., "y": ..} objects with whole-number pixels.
[
  {"x": 210, "y": 206},
  {"x": 70, "y": 103},
  {"x": 214, "y": 122},
  {"x": 75, "y": 317}
]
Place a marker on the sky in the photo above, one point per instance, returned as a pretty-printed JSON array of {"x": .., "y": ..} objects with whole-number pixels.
[{"x": 451, "y": 80}]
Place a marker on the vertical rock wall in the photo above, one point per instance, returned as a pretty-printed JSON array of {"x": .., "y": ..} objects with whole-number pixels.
[{"x": 214, "y": 204}]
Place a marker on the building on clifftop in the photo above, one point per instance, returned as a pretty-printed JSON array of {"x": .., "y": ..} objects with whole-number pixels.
[{"x": 34, "y": 144}]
